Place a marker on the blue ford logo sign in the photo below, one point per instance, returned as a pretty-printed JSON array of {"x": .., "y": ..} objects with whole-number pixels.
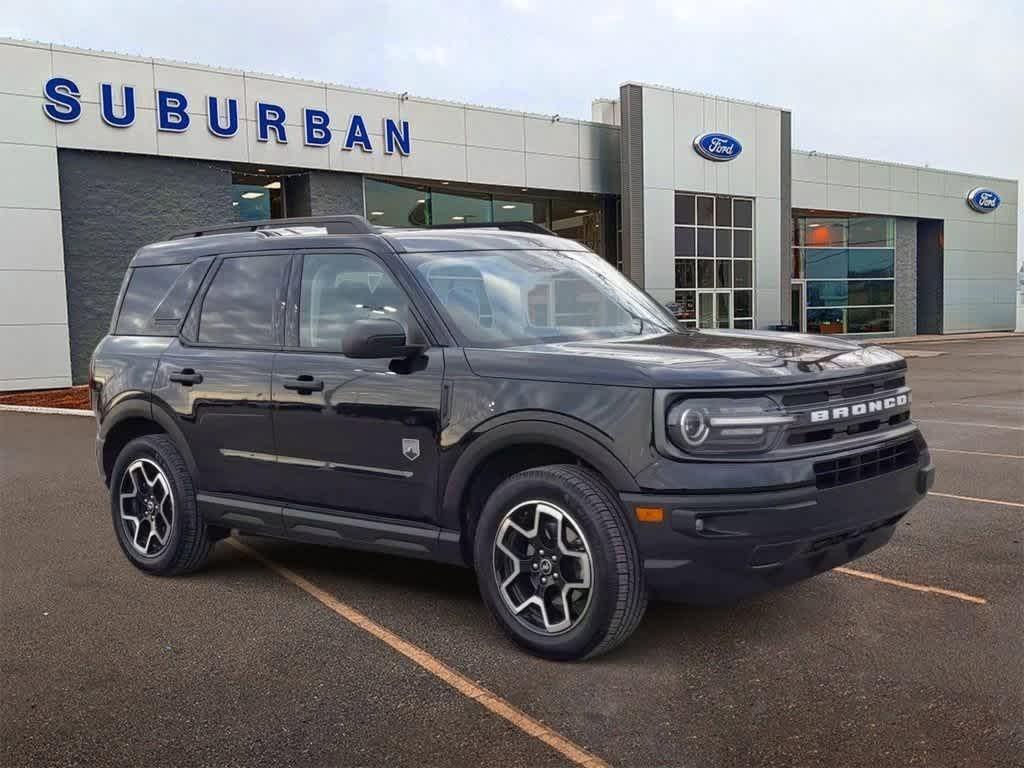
[
  {"x": 983, "y": 200},
  {"x": 717, "y": 146}
]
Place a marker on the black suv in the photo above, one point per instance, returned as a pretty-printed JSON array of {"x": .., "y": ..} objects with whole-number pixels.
[{"x": 496, "y": 397}]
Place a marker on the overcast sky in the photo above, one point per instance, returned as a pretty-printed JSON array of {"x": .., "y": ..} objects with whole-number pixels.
[{"x": 936, "y": 82}]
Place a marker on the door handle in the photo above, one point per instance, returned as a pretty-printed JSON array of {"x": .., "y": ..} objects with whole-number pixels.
[
  {"x": 304, "y": 384},
  {"x": 187, "y": 376}
]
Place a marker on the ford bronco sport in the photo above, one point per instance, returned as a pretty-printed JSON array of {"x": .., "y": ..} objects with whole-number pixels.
[{"x": 496, "y": 397}]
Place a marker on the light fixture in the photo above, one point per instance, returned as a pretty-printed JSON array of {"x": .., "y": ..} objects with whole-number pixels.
[
  {"x": 234, "y": 202},
  {"x": 523, "y": 189},
  {"x": 581, "y": 210},
  {"x": 508, "y": 206},
  {"x": 421, "y": 200},
  {"x": 272, "y": 185},
  {"x": 376, "y": 213},
  {"x": 458, "y": 218},
  {"x": 444, "y": 183},
  {"x": 812, "y": 226},
  {"x": 261, "y": 170},
  {"x": 252, "y": 195}
]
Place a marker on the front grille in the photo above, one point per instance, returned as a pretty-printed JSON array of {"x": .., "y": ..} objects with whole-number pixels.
[{"x": 872, "y": 463}]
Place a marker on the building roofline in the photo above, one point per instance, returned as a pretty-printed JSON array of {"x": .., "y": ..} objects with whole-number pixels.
[
  {"x": 401, "y": 96},
  {"x": 704, "y": 95},
  {"x": 816, "y": 153}
]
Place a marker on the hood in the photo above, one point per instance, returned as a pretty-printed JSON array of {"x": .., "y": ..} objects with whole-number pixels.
[{"x": 688, "y": 359}]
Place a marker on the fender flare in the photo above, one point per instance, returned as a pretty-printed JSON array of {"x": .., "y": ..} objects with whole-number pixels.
[
  {"x": 568, "y": 434},
  {"x": 147, "y": 410}
]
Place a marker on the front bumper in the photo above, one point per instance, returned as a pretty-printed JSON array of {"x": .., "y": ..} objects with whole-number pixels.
[{"x": 711, "y": 547}]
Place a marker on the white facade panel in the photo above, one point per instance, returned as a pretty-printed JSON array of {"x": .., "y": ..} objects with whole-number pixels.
[
  {"x": 20, "y": 294},
  {"x": 436, "y": 160},
  {"x": 659, "y": 243},
  {"x": 30, "y": 239},
  {"x": 843, "y": 198},
  {"x": 34, "y": 356},
  {"x": 435, "y": 122},
  {"x": 291, "y": 95},
  {"x": 845, "y": 173},
  {"x": 25, "y": 67},
  {"x": 767, "y": 236},
  {"x": 24, "y": 121},
  {"x": 659, "y": 137},
  {"x": 374, "y": 108},
  {"x": 769, "y": 153},
  {"x": 809, "y": 194},
  {"x": 200, "y": 143},
  {"x": 552, "y": 172},
  {"x": 876, "y": 176},
  {"x": 35, "y": 169},
  {"x": 89, "y": 70},
  {"x": 200, "y": 84},
  {"x": 90, "y": 132},
  {"x": 546, "y": 136},
  {"x": 495, "y": 130},
  {"x": 358, "y": 161},
  {"x": 495, "y": 166},
  {"x": 807, "y": 167}
]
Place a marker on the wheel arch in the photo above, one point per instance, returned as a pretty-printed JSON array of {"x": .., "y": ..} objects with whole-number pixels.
[
  {"x": 135, "y": 418},
  {"x": 516, "y": 445}
]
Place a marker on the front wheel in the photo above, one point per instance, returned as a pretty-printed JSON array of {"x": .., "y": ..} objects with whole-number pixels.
[
  {"x": 557, "y": 563},
  {"x": 153, "y": 505}
]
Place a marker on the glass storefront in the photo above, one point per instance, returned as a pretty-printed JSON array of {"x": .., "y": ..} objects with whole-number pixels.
[
  {"x": 714, "y": 261},
  {"x": 846, "y": 265},
  {"x": 579, "y": 217},
  {"x": 256, "y": 196}
]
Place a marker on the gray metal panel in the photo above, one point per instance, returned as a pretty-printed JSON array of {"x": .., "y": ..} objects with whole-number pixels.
[
  {"x": 786, "y": 209},
  {"x": 632, "y": 167},
  {"x": 113, "y": 204}
]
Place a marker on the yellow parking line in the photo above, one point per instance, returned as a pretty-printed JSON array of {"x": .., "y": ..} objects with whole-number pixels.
[
  {"x": 977, "y": 453},
  {"x": 492, "y": 702},
  {"x": 980, "y": 501},
  {"x": 910, "y": 585}
]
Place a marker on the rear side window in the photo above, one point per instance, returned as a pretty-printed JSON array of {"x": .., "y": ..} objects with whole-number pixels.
[
  {"x": 243, "y": 302},
  {"x": 146, "y": 289}
]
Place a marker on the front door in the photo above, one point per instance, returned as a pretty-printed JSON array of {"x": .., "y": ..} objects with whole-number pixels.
[{"x": 352, "y": 436}]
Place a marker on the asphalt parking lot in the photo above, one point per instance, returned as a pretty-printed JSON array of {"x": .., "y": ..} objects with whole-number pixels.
[{"x": 100, "y": 665}]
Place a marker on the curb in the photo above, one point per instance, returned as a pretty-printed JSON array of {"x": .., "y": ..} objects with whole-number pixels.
[{"x": 40, "y": 409}]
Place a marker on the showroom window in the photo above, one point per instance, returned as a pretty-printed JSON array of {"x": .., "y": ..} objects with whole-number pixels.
[
  {"x": 714, "y": 261},
  {"x": 846, "y": 264}
]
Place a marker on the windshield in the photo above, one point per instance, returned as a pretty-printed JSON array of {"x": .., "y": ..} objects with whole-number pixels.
[{"x": 510, "y": 298}]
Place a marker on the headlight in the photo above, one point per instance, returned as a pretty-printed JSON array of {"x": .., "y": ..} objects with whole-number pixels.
[{"x": 718, "y": 425}]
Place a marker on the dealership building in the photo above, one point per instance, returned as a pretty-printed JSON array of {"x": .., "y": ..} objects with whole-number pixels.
[{"x": 701, "y": 200}]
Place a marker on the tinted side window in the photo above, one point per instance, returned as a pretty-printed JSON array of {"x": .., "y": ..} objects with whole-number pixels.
[
  {"x": 340, "y": 288},
  {"x": 147, "y": 287},
  {"x": 242, "y": 302}
]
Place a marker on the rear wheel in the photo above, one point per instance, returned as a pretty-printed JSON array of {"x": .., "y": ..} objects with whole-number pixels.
[
  {"x": 153, "y": 505},
  {"x": 557, "y": 564}
]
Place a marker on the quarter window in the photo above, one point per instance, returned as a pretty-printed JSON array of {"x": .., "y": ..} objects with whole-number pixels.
[
  {"x": 243, "y": 301},
  {"x": 146, "y": 289},
  {"x": 340, "y": 288}
]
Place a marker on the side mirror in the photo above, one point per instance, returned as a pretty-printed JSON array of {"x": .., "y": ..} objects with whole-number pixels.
[{"x": 375, "y": 338}]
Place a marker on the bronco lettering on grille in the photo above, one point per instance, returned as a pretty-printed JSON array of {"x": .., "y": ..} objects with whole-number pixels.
[{"x": 859, "y": 409}]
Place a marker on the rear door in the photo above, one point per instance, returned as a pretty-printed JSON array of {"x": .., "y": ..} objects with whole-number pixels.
[
  {"x": 216, "y": 377},
  {"x": 353, "y": 436}
]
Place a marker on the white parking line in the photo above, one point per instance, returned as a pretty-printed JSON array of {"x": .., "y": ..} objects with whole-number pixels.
[
  {"x": 980, "y": 501},
  {"x": 968, "y": 424},
  {"x": 41, "y": 409},
  {"x": 910, "y": 585},
  {"x": 977, "y": 453}
]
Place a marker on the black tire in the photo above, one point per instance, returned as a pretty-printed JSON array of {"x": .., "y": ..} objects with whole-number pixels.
[
  {"x": 189, "y": 542},
  {"x": 618, "y": 595}
]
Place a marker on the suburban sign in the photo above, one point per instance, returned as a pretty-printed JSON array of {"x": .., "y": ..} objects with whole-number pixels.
[
  {"x": 717, "y": 146},
  {"x": 117, "y": 109},
  {"x": 983, "y": 200}
]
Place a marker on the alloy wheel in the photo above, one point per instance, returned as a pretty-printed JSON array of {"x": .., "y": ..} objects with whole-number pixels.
[
  {"x": 543, "y": 567},
  {"x": 147, "y": 507}
]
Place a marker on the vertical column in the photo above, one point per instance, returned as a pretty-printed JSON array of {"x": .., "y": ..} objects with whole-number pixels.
[
  {"x": 34, "y": 349},
  {"x": 632, "y": 168}
]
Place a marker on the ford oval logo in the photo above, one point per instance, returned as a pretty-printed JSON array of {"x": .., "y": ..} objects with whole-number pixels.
[
  {"x": 717, "y": 146},
  {"x": 983, "y": 200}
]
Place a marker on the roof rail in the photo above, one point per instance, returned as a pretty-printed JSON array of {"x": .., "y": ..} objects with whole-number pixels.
[
  {"x": 335, "y": 225},
  {"x": 529, "y": 227}
]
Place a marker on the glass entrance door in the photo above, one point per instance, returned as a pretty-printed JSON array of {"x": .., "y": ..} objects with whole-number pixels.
[
  {"x": 798, "y": 305},
  {"x": 714, "y": 309}
]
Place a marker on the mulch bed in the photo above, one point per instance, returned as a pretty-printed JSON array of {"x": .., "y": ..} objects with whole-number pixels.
[{"x": 71, "y": 397}]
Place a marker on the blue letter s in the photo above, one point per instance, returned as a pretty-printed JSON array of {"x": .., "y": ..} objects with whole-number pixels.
[{"x": 62, "y": 102}]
